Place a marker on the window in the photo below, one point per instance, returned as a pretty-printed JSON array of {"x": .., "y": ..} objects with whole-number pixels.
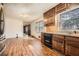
[
  {"x": 69, "y": 20},
  {"x": 40, "y": 26}
]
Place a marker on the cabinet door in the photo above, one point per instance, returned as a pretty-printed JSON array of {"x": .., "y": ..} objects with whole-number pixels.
[
  {"x": 71, "y": 50},
  {"x": 61, "y": 7},
  {"x": 49, "y": 17},
  {"x": 49, "y": 13},
  {"x": 52, "y": 20},
  {"x": 72, "y": 46},
  {"x": 58, "y": 43},
  {"x": 58, "y": 46}
]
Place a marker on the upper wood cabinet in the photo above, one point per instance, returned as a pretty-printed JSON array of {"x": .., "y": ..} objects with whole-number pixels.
[
  {"x": 49, "y": 17},
  {"x": 50, "y": 21},
  {"x": 49, "y": 13},
  {"x": 61, "y": 7}
]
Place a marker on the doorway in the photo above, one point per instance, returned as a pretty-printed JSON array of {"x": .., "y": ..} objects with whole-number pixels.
[{"x": 27, "y": 30}]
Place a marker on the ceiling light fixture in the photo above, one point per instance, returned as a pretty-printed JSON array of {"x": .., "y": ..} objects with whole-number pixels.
[{"x": 24, "y": 15}]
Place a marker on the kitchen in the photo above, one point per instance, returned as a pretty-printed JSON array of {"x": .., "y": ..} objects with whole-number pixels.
[
  {"x": 59, "y": 35},
  {"x": 54, "y": 33}
]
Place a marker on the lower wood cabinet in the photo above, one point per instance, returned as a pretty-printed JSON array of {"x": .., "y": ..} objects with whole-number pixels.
[
  {"x": 58, "y": 43},
  {"x": 72, "y": 46},
  {"x": 68, "y": 45},
  {"x": 58, "y": 46},
  {"x": 71, "y": 50}
]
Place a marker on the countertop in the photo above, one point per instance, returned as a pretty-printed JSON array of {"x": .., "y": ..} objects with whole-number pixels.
[{"x": 66, "y": 34}]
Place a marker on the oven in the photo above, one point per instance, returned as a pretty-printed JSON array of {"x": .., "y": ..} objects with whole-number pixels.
[{"x": 48, "y": 40}]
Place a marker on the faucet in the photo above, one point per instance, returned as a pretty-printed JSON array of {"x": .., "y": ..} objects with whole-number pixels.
[{"x": 75, "y": 32}]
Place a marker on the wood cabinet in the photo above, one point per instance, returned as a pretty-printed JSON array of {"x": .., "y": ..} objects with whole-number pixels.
[
  {"x": 68, "y": 45},
  {"x": 49, "y": 17},
  {"x": 58, "y": 43},
  {"x": 49, "y": 13},
  {"x": 72, "y": 46},
  {"x": 61, "y": 7},
  {"x": 50, "y": 21}
]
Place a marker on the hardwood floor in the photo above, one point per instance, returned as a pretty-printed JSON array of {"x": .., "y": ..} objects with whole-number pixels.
[{"x": 27, "y": 47}]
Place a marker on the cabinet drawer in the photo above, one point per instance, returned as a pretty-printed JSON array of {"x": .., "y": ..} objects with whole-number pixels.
[
  {"x": 72, "y": 43},
  {"x": 58, "y": 36},
  {"x": 75, "y": 39}
]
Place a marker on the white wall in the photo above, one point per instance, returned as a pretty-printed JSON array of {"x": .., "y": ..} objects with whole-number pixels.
[
  {"x": 33, "y": 28},
  {"x": 13, "y": 27}
]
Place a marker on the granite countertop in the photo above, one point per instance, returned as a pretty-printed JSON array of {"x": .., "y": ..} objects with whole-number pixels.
[{"x": 66, "y": 34}]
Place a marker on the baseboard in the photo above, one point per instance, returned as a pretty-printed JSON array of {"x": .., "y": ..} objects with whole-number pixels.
[{"x": 35, "y": 37}]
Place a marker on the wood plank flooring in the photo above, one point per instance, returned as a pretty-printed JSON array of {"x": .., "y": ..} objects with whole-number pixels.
[{"x": 26, "y": 47}]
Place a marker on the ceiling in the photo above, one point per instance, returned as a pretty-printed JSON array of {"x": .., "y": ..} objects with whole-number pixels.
[{"x": 27, "y": 12}]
